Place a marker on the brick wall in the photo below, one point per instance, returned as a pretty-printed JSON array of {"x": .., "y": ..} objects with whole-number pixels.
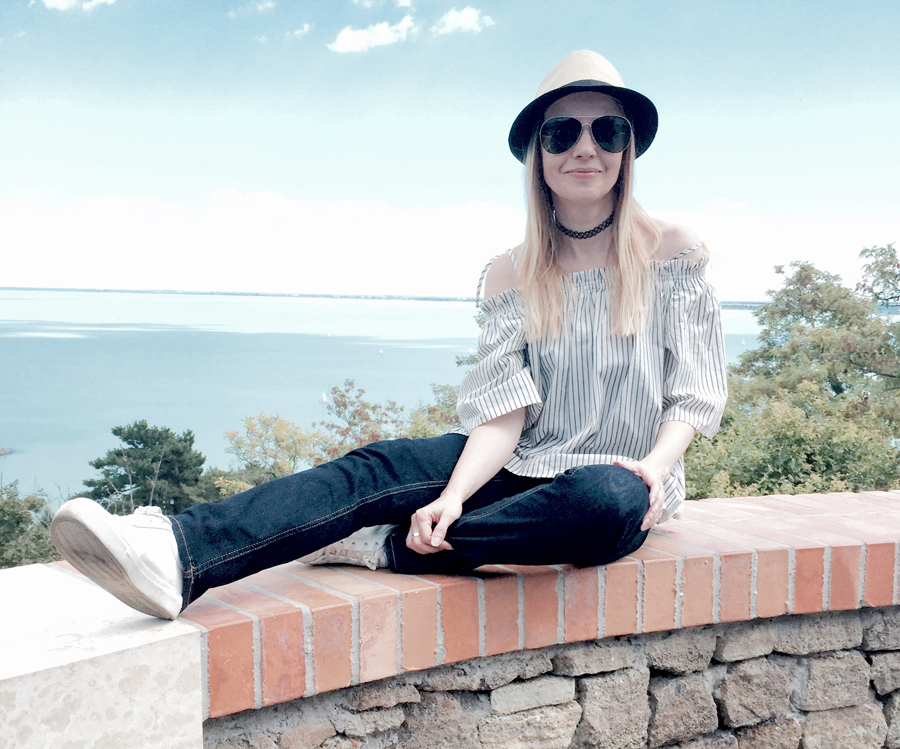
[
  {"x": 830, "y": 681},
  {"x": 752, "y": 623}
]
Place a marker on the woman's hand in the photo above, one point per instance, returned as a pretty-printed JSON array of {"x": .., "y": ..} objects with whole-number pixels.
[
  {"x": 429, "y": 525},
  {"x": 672, "y": 440},
  {"x": 654, "y": 476}
]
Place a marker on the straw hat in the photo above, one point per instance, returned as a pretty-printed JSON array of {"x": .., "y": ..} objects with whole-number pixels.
[{"x": 584, "y": 71}]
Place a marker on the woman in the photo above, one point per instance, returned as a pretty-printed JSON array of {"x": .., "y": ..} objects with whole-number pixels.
[{"x": 600, "y": 356}]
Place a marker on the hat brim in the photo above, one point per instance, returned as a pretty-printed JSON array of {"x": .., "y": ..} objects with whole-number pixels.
[{"x": 640, "y": 111}]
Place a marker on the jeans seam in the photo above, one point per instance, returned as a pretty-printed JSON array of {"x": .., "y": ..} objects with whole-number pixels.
[
  {"x": 256, "y": 546},
  {"x": 494, "y": 508},
  {"x": 188, "y": 573}
]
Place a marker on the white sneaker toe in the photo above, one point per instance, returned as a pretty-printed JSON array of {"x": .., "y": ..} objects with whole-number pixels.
[{"x": 133, "y": 557}]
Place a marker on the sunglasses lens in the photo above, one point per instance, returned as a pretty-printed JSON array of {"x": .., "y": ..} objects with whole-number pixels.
[
  {"x": 559, "y": 134},
  {"x": 612, "y": 133}
]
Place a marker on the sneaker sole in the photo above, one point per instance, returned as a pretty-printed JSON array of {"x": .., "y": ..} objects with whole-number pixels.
[{"x": 83, "y": 533}]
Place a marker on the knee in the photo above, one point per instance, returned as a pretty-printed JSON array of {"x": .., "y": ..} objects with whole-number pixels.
[{"x": 609, "y": 492}]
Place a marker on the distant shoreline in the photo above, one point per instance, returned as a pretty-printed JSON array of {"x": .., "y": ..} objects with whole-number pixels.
[{"x": 369, "y": 297}]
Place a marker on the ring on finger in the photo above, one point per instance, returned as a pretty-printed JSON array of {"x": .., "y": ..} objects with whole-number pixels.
[{"x": 416, "y": 535}]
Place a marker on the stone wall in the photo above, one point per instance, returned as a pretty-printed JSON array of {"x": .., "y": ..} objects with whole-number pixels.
[{"x": 819, "y": 681}]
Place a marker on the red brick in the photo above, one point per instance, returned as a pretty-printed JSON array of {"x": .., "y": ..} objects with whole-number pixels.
[
  {"x": 418, "y": 603},
  {"x": 582, "y": 603},
  {"x": 621, "y": 598},
  {"x": 332, "y": 630},
  {"x": 230, "y": 650},
  {"x": 845, "y": 562},
  {"x": 501, "y": 610},
  {"x": 541, "y": 604},
  {"x": 459, "y": 617},
  {"x": 281, "y": 641},
  {"x": 772, "y": 565},
  {"x": 378, "y": 624},
  {"x": 735, "y": 571},
  {"x": 696, "y": 578},
  {"x": 878, "y": 588},
  {"x": 809, "y": 565},
  {"x": 660, "y": 589}
]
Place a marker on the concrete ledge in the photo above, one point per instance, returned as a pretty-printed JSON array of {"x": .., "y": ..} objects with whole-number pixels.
[{"x": 79, "y": 669}]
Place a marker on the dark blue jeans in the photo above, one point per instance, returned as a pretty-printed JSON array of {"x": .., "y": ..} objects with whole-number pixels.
[{"x": 586, "y": 516}]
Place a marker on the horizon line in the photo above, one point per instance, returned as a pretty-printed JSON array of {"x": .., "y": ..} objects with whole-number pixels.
[{"x": 732, "y": 304}]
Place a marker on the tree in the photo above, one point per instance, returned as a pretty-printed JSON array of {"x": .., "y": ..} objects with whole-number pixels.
[
  {"x": 816, "y": 407},
  {"x": 155, "y": 467},
  {"x": 275, "y": 446},
  {"x": 24, "y": 528},
  {"x": 881, "y": 275}
]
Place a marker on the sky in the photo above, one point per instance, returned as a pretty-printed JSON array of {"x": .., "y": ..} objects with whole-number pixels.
[{"x": 359, "y": 146}]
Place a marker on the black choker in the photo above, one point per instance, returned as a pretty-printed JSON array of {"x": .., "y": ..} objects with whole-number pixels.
[{"x": 584, "y": 234}]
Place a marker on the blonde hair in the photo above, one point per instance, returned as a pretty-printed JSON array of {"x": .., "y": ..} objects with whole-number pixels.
[{"x": 543, "y": 280}]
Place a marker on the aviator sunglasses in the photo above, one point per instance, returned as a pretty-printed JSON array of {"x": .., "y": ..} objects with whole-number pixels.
[{"x": 610, "y": 132}]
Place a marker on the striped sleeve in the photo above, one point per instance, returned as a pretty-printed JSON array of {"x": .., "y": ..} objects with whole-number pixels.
[
  {"x": 501, "y": 382},
  {"x": 694, "y": 382}
]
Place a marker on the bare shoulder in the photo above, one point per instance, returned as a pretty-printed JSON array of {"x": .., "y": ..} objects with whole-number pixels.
[
  {"x": 675, "y": 239},
  {"x": 502, "y": 275}
]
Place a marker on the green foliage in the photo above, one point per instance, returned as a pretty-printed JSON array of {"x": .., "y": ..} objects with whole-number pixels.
[
  {"x": 436, "y": 418},
  {"x": 275, "y": 447},
  {"x": 154, "y": 467},
  {"x": 881, "y": 275},
  {"x": 271, "y": 447},
  {"x": 816, "y": 406},
  {"x": 356, "y": 422},
  {"x": 24, "y": 528}
]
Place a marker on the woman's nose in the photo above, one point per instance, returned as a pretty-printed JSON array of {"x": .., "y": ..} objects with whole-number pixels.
[{"x": 585, "y": 144}]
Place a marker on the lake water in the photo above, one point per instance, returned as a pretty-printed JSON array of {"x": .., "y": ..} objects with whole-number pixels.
[{"x": 75, "y": 364}]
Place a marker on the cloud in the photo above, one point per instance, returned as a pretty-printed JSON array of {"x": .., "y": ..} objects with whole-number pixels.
[
  {"x": 261, "y": 38},
  {"x": 297, "y": 33},
  {"x": 403, "y": 3},
  {"x": 69, "y": 4},
  {"x": 262, "y": 6},
  {"x": 379, "y": 35},
  {"x": 467, "y": 19},
  {"x": 365, "y": 3}
]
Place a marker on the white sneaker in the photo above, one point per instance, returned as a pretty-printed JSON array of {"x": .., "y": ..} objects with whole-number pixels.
[
  {"x": 133, "y": 557},
  {"x": 365, "y": 548}
]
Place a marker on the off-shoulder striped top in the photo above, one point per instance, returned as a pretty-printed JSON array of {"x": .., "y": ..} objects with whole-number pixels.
[{"x": 592, "y": 397}]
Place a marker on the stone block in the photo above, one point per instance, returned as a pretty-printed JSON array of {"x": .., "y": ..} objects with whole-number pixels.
[
  {"x": 753, "y": 691},
  {"x": 882, "y": 629},
  {"x": 379, "y": 695},
  {"x": 616, "y": 710},
  {"x": 525, "y": 695},
  {"x": 594, "y": 658},
  {"x": 860, "y": 727},
  {"x": 309, "y": 735},
  {"x": 782, "y": 733},
  {"x": 681, "y": 651},
  {"x": 261, "y": 741},
  {"x": 362, "y": 724},
  {"x": 681, "y": 708},
  {"x": 485, "y": 673},
  {"x": 718, "y": 740},
  {"x": 818, "y": 633},
  {"x": 832, "y": 681},
  {"x": 340, "y": 742},
  {"x": 744, "y": 640},
  {"x": 886, "y": 672},
  {"x": 892, "y": 714},
  {"x": 444, "y": 720},
  {"x": 550, "y": 727}
]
